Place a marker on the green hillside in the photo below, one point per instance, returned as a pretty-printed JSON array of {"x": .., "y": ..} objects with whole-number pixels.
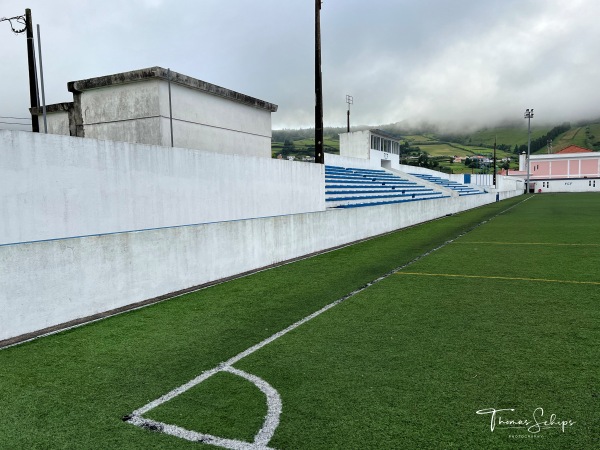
[
  {"x": 442, "y": 147},
  {"x": 586, "y": 136},
  {"x": 510, "y": 136}
]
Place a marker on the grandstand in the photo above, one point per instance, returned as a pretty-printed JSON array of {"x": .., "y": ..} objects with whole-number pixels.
[
  {"x": 355, "y": 187},
  {"x": 462, "y": 189}
]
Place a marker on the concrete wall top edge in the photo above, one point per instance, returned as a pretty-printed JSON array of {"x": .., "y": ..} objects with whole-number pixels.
[
  {"x": 55, "y": 107},
  {"x": 23, "y": 136},
  {"x": 565, "y": 156},
  {"x": 161, "y": 73}
]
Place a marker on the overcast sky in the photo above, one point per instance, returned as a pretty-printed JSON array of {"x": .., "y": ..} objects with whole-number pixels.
[{"x": 454, "y": 62}]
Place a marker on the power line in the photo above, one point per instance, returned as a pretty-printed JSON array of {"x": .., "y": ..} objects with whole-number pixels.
[
  {"x": 17, "y": 118},
  {"x": 19, "y": 19}
]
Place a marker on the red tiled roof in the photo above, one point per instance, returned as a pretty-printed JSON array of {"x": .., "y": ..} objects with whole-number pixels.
[
  {"x": 511, "y": 172},
  {"x": 574, "y": 149}
]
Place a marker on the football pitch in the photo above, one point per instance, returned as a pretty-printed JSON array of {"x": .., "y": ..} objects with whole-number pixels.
[{"x": 475, "y": 331}]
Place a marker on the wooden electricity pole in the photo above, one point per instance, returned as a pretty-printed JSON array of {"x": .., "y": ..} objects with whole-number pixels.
[
  {"x": 494, "y": 163},
  {"x": 319, "y": 156},
  {"x": 33, "y": 91}
]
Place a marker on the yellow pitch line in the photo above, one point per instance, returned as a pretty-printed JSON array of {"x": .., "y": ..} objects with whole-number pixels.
[
  {"x": 544, "y": 280},
  {"x": 526, "y": 243}
]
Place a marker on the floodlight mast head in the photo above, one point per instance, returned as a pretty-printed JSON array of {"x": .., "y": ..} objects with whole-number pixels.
[{"x": 350, "y": 101}]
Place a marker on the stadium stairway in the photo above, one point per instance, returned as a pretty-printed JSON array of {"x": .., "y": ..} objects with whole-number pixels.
[
  {"x": 462, "y": 189},
  {"x": 353, "y": 187}
]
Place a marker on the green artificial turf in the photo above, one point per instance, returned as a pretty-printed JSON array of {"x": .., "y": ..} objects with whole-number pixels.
[{"x": 401, "y": 365}]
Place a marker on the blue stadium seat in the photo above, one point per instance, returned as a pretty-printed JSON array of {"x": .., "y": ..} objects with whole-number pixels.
[{"x": 354, "y": 187}]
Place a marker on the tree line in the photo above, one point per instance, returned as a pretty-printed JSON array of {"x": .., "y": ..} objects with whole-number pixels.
[{"x": 542, "y": 141}]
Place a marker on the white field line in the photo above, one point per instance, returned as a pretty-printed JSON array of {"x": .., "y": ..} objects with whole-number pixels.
[
  {"x": 274, "y": 404},
  {"x": 194, "y": 436}
]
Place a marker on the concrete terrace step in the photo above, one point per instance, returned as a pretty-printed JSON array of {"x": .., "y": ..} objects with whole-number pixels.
[
  {"x": 344, "y": 197},
  {"x": 377, "y": 203},
  {"x": 454, "y": 185},
  {"x": 357, "y": 175},
  {"x": 377, "y": 191},
  {"x": 372, "y": 183}
]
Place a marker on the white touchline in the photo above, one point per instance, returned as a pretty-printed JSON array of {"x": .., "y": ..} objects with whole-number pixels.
[{"x": 274, "y": 404}]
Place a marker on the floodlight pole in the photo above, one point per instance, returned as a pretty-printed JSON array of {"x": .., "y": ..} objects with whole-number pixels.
[
  {"x": 350, "y": 101},
  {"x": 528, "y": 116},
  {"x": 319, "y": 156}
]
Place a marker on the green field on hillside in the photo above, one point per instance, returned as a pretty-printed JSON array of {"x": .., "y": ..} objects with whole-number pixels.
[
  {"x": 587, "y": 136},
  {"x": 415, "y": 341},
  {"x": 510, "y": 136},
  {"x": 305, "y": 147},
  {"x": 476, "y": 143}
]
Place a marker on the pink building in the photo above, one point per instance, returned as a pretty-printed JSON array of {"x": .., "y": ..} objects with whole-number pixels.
[{"x": 573, "y": 169}]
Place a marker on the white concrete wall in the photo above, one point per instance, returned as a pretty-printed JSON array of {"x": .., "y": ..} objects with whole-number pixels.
[
  {"x": 355, "y": 144},
  {"x": 138, "y": 112},
  {"x": 510, "y": 183},
  {"x": 422, "y": 170},
  {"x": 571, "y": 185},
  {"x": 44, "y": 284},
  {"x": 126, "y": 112},
  {"x": 58, "y": 123},
  {"x": 344, "y": 161},
  {"x": 213, "y": 123},
  {"x": 59, "y": 186}
]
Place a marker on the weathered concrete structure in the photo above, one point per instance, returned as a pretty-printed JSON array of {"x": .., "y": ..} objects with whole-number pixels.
[
  {"x": 59, "y": 118},
  {"x": 357, "y": 144},
  {"x": 138, "y": 106}
]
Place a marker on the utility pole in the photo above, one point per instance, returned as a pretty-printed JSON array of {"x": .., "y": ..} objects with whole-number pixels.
[
  {"x": 495, "y": 162},
  {"x": 33, "y": 91},
  {"x": 319, "y": 156},
  {"x": 42, "y": 81},
  {"x": 28, "y": 30}
]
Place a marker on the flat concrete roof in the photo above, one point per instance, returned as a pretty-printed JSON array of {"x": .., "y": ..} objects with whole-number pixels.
[
  {"x": 160, "y": 73},
  {"x": 384, "y": 134},
  {"x": 54, "y": 107}
]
